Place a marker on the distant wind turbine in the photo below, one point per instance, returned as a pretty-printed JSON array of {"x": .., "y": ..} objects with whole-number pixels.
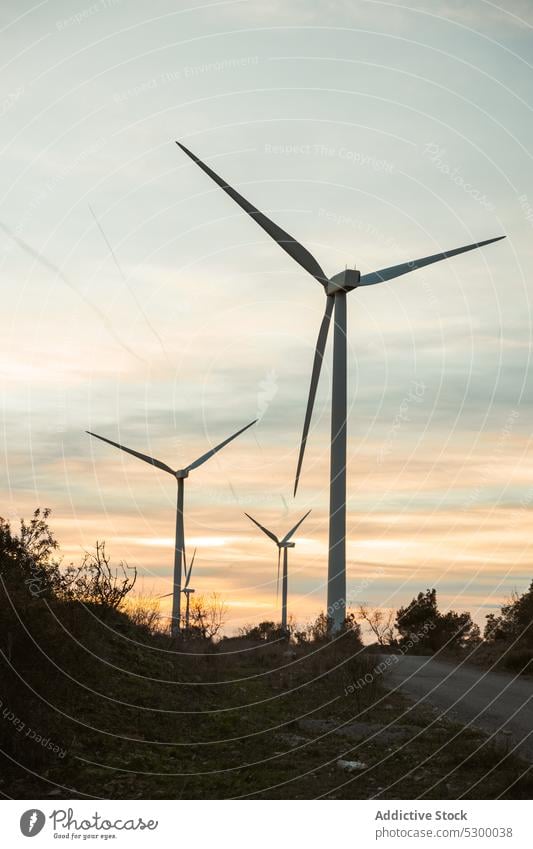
[
  {"x": 186, "y": 590},
  {"x": 335, "y": 289},
  {"x": 282, "y": 544},
  {"x": 180, "y": 475}
]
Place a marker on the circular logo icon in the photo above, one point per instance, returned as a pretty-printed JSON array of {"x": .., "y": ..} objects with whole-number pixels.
[{"x": 32, "y": 822}]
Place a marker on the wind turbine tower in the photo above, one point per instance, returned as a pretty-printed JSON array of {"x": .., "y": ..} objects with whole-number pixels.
[
  {"x": 335, "y": 289},
  {"x": 283, "y": 545},
  {"x": 180, "y": 475}
]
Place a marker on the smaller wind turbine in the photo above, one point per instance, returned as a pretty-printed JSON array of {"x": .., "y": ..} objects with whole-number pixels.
[
  {"x": 282, "y": 544},
  {"x": 180, "y": 475},
  {"x": 186, "y": 590}
]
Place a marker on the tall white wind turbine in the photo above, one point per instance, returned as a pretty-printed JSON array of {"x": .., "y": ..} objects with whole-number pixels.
[
  {"x": 180, "y": 475},
  {"x": 335, "y": 289},
  {"x": 283, "y": 545}
]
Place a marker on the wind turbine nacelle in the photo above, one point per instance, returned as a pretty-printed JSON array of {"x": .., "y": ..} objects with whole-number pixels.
[
  {"x": 345, "y": 281},
  {"x": 288, "y": 545},
  {"x": 181, "y": 473}
]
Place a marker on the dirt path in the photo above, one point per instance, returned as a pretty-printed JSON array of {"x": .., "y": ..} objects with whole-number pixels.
[{"x": 492, "y": 701}]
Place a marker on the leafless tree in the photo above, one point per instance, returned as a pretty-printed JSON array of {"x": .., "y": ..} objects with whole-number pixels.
[
  {"x": 207, "y": 615},
  {"x": 97, "y": 581},
  {"x": 380, "y": 622}
]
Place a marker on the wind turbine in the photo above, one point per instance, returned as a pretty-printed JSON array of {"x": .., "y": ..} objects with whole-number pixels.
[
  {"x": 180, "y": 475},
  {"x": 282, "y": 544},
  {"x": 335, "y": 289},
  {"x": 186, "y": 590}
]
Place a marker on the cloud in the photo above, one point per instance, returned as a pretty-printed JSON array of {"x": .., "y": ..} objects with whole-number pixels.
[{"x": 386, "y": 14}]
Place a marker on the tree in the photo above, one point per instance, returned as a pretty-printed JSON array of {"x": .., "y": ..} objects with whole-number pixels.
[
  {"x": 96, "y": 581},
  {"x": 265, "y": 632},
  {"x": 207, "y": 616},
  {"x": 26, "y": 558},
  {"x": 515, "y": 622},
  {"x": 421, "y": 625},
  {"x": 380, "y": 622},
  {"x": 457, "y": 630},
  {"x": 319, "y": 631},
  {"x": 27, "y": 562}
]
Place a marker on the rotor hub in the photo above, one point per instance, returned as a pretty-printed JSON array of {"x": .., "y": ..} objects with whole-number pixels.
[{"x": 344, "y": 282}]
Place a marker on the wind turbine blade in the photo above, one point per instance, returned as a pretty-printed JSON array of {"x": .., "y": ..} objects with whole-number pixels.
[
  {"x": 184, "y": 560},
  {"x": 315, "y": 375},
  {"x": 208, "y": 454},
  {"x": 277, "y": 582},
  {"x": 165, "y": 596},
  {"x": 265, "y": 530},
  {"x": 297, "y": 251},
  {"x": 188, "y": 577},
  {"x": 405, "y": 267},
  {"x": 144, "y": 457},
  {"x": 287, "y": 537}
]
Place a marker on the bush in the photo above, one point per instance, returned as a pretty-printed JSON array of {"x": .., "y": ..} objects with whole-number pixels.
[
  {"x": 519, "y": 660},
  {"x": 515, "y": 622},
  {"x": 207, "y": 615},
  {"x": 265, "y": 632},
  {"x": 144, "y": 613},
  {"x": 26, "y": 562},
  {"x": 96, "y": 582},
  {"x": 29, "y": 570},
  {"x": 423, "y": 626}
]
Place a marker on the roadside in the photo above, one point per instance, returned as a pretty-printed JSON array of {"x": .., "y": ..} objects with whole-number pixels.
[{"x": 496, "y": 702}]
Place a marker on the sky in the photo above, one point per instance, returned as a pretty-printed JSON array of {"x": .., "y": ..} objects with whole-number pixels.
[{"x": 140, "y": 303}]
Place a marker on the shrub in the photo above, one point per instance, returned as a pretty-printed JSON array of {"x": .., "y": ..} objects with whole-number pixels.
[
  {"x": 264, "y": 632},
  {"x": 422, "y": 625},
  {"x": 26, "y": 562},
  {"x": 515, "y": 622},
  {"x": 96, "y": 582}
]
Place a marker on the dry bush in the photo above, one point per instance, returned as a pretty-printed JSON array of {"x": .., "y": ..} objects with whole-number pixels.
[
  {"x": 144, "y": 611},
  {"x": 207, "y": 616},
  {"x": 97, "y": 582}
]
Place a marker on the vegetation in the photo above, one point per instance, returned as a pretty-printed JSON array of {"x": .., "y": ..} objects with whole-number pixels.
[
  {"x": 207, "y": 616},
  {"x": 98, "y": 700},
  {"x": 27, "y": 565},
  {"x": 421, "y": 622},
  {"x": 509, "y": 635},
  {"x": 380, "y": 622}
]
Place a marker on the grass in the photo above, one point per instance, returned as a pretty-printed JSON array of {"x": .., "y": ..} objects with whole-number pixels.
[{"x": 139, "y": 720}]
